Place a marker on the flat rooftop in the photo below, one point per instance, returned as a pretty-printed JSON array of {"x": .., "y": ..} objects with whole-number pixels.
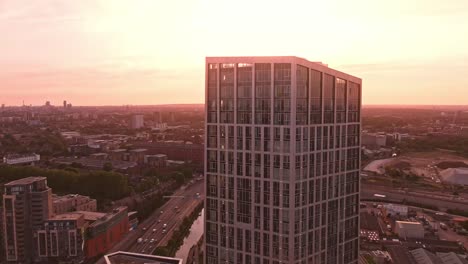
[
  {"x": 320, "y": 66},
  {"x": 138, "y": 150},
  {"x": 157, "y": 155},
  {"x": 17, "y": 156},
  {"x": 109, "y": 215},
  {"x": 67, "y": 216},
  {"x": 25, "y": 181},
  {"x": 118, "y": 150},
  {"x": 57, "y": 198},
  {"x": 121, "y": 257},
  {"x": 407, "y": 223},
  {"x": 91, "y": 216}
]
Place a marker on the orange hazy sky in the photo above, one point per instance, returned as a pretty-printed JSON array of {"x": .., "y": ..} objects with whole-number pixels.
[{"x": 113, "y": 52}]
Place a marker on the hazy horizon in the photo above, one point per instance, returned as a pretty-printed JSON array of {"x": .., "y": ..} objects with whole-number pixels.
[
  {"x": 399, "y": 106},
  {"x": 118, "y": 52}
]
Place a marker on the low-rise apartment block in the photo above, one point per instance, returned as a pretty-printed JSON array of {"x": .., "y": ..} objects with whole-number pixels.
[
  {"x": 73, "y": 202},
  {"x": 16, "y": 159},
  {"x": 60, "y": 239}
]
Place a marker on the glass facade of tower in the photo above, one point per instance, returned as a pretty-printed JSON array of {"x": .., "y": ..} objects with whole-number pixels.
[{"x": 282, "y": 162}]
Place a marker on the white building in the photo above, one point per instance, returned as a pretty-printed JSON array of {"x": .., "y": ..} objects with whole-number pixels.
[
  {"x": 402, "y": 136},
  {"x": 21, "y": 159},
  {"x": 396, "y": 209},
  {"x": 455, "y": 176},
  {"x": 159, "y": 126},
  {"x": 407, "y": 230},
  {"x": 137, "y": 122},
  {"x": 279, "y": 130},
  {"x": 374, "y": 140}
]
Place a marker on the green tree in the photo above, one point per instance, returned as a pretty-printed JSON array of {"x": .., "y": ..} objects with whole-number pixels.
[{"x": 107, "y": 166}]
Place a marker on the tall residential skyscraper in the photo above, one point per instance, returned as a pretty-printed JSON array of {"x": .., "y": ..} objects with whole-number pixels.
[
  {"x": 27, "y": 204},
  {"x": 137, "y": 121},
  {"x": 282, "y": 162}
]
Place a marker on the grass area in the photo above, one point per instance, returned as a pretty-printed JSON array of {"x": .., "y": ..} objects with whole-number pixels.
[
  {"x": 369, "y": 259},
  {"x": 457, "y": 212}
]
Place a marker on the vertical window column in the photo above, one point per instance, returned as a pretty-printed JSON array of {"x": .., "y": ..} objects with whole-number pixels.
[
  {"x": 302, "y": 95},
  {"x": 282, "y": 94},
  {"x": 353, "y": 102},
  {"x": 226, "y": 93},
  {"x": 329, "y": 99},
  {"x": 340, "y": 100},
  {"x": 212, "y": 93},
  {"x": 262, "y": 93},
  {"x": 244, "y": 93}
]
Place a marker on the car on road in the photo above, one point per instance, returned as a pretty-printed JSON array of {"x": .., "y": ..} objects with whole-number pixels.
[
  {"x": 154, "y": 230},
  {"x": 162, "y": 212},
  {"x": 140, "y": 240},
  {"x": 159, "y": 220},
  {"x": 144, "y": 228},
  {"x": 152, "y": 240},
  {"x": 164, "y": 231},
  {"x": 165, "y": 225},
  {"x": 146, "y": 240}
]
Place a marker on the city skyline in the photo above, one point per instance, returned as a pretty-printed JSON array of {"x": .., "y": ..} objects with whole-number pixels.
[{"x": 119, "y": 52}]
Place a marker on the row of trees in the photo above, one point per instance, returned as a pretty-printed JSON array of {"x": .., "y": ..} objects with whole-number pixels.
[
  {"x": 43, "y": 142},
  {"x": 146, "y": 207},
  {"x": 155, "y": 176},
  {"x": 101, "y": 185},
  {"x": 400, "y": 174},
  {"x": 459, "y": 144}
]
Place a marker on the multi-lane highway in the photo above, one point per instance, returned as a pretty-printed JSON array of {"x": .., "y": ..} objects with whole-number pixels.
[
  {"x": 398, "y": 196},
  {"x": 158, "y": 230},
  {"x": 179, "y": 205}
]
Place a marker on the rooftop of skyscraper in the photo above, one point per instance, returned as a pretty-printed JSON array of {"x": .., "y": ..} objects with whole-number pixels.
[
  {"x": 135, "y": 258},
  {"x": 25, "y": 181}
]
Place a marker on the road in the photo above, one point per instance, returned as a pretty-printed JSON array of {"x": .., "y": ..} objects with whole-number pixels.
[
  {"x": 392, "y": 195},
  {"x": 185, "y": 199},
  {"x": 162, "y": 226}
]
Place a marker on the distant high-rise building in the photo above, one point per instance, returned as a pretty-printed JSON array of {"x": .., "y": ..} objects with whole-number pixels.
[
  {"x": 46, "y": 104},
  {"x": 172, "y": 117},
  {"x": 65, "y": 104},
  {"x": 282, "y": 162},
  {"x": 137, "y": 122},
  {"x": 28, "y": 116},
  {"x": 27, "y": 204},
  {"x": 158, "y": 117},
  {"x": 3, "y": 106}
]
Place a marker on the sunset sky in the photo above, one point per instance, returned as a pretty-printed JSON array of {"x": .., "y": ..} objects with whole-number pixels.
[{"x": 114, "y": 52}]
